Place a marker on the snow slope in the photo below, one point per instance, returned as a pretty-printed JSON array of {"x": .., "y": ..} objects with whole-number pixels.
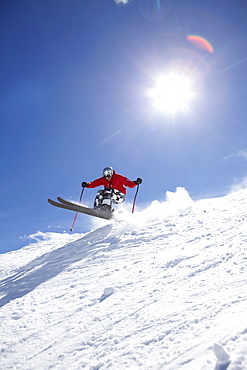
[{"x": 162, "y": 289}]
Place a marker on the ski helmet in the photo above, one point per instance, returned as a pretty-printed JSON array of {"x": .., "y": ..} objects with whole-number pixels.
[{"x": 108, "y": 172}]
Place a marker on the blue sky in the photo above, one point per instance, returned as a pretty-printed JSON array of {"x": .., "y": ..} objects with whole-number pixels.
[{"x": 75, "y": 82}]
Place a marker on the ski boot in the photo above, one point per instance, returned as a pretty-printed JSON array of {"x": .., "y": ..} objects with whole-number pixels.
[{"x": 106, "y": 208}]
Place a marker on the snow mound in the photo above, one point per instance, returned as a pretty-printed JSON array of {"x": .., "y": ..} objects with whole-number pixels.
[
  {"x": 159, "y": 290},
  {"x": 221, "y": 354}
]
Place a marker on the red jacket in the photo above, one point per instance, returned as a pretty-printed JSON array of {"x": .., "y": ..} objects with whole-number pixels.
[{"x": 117, "y": 181}]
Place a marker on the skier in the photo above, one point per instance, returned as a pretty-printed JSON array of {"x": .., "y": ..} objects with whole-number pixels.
[{"x": 114, "y": 188}]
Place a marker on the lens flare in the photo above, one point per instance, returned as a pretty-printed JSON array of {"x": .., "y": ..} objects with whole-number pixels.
[{"x": 201, "y": 43}]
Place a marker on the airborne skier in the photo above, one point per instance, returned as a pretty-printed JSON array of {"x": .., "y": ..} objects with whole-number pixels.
[
  {"x": 114, "y": 189},
  {"x": 114, "y": 192}
]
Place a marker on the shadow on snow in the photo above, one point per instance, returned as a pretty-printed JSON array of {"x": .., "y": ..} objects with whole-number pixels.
[{"x": 51, "y": 264}]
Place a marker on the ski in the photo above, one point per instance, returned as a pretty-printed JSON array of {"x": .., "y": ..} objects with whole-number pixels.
[
  {"x": 79, "y": 208},
  {"x": 61, "y": 200}
]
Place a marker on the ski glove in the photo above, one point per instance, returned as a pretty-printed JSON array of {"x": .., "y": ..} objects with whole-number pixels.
[
  {"x": 84, "y": 184},
  {"x": 138, "y": 181}
]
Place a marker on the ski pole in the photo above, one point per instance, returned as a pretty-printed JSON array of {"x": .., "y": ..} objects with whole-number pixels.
[
  {"x": 73, "y": 223},
  {"x": 134, "y": 201}
]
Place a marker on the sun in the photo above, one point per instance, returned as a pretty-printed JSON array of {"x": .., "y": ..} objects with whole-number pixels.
[{"x": 172, "y": 93}]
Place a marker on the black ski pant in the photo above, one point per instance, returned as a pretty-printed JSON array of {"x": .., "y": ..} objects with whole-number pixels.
[{"x": 107, "y": 197}]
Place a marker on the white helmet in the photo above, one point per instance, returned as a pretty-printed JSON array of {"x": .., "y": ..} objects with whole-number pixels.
[{"x": 108, "y": 172}]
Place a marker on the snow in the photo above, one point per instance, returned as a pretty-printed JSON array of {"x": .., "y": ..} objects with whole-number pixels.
[
  {"x": 164, "y": 288},
  {"x": 221, "y": 354}
]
